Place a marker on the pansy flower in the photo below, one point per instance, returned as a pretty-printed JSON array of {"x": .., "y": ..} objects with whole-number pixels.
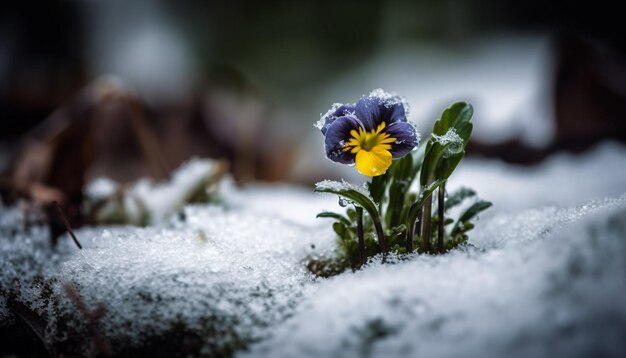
[{"x": 370, "y": 133}]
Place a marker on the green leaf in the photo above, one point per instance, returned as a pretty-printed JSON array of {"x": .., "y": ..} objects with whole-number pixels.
[
  {"x": 338, "y": 217},
  {"x": 378, "y": 185},
  {"x": 457, "y": 116},
  {"x": 442, "y": 157},
  {"x": 401, "y": 178},
  {"x": 469, "y": 214},
  {"x": 340, "y": 229},
  {"x": 418, "y": 158},
  {"x": 458, "y": 196},
  {"x": 353, "y": 195},
  {"x": 474, "y": 210}
]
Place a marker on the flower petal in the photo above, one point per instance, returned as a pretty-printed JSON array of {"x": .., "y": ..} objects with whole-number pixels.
[
  {"x": 373, "y": 163},
  {"x": 337, "y": 134},
  {"x": 406, "y": 138},
  {"x": 336, "y": 111},
  {"x": 374, "y": 109}
]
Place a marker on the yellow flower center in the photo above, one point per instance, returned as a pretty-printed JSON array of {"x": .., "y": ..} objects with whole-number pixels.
[{"x": 372, "y": 150}]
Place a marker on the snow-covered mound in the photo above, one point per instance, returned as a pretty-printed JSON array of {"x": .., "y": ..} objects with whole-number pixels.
[
  {"x": 540, "y": 283},
  {"x": 544, "y": 277},
  {"x": 215, "y": 276}
]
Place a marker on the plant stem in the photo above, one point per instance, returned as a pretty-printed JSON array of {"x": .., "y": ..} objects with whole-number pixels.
[
  {"x": 441, "y": 209},
  {"x": 68, "y": 227},
  {"x": 359, "y": 231},
  {"x": 418, "y": 223},
  {"x": 411, "y": 233},
  {"x": 381, "y": 235},
  {"x": 426, "y": 212}
]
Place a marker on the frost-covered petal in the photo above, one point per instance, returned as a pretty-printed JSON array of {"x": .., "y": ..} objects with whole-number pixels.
[
  {"x": 337, "y": 110},
  {"x": 375, "y": 108},
  {"x": 406, "y": 138},
  {"x": 337, "y": 134}
]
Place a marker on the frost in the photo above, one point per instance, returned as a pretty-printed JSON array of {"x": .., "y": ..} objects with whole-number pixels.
[
  {"x": 452, "y": 143},
  {"x": 390, "y": 99},
  {"x": 343, "y": 185},
  {"x": 450, "y": 137},
  {"x": 320, "y": 123}
]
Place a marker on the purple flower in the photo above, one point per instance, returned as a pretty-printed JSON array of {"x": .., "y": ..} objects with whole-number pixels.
[{"x": 369, "y": 133}]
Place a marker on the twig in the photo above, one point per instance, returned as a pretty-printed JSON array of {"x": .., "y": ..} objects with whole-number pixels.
[{"x": 67, "y": 224}]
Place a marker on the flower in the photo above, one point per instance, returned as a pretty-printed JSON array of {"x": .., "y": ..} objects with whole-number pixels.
[{"x": 370, "y": 133}]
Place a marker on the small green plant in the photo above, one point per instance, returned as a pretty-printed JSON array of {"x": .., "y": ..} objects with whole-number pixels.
[{"x": 394, "y": 211}]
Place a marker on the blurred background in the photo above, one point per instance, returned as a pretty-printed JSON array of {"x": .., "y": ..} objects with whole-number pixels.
[{"x": 125, "y": 89}]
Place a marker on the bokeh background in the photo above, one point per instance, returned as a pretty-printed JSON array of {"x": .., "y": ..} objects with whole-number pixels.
[{"x": 126, "y": 89}]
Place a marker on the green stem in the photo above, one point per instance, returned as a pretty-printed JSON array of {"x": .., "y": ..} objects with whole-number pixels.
[
  {"x": 426, "y": 212},
  {"x": 381, "y": 235},
  {"x": 410, "y": 234},
  {"x": 441, "y": 209},
  {"x": 359, "y": 231}
]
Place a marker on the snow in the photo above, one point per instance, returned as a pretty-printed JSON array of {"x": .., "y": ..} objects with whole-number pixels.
[
  {"x": 543, "y": 276},
  {"x": 343, "y": 185},
  {"x": 158, "y": 200},
  {"x": 451, "y": 141},
  {"x": 540, "y": 283},
  {"x": 244, "y": 269},
  {"x": 223, "y": 274},
  {"x": 101, "y": 188},
  {"x": 163, "y": 199},
  {"x": 320, "y": 123},
  {"x": 562, "y": 180},
  {"x": 390, "y": 99}
]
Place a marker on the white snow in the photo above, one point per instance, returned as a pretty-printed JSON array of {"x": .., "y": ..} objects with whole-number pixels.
[
  {"x": 101, "y": 188},
  {"x": 544, "y": 277},
  {"x": 562, "y": 180},
  {"x": 343, "y": 185},
  {"x": 390, "y": 99},
  {"x": 323, "y": 116},
  {"x": 541, "y": 283},
  {"x": 158, "y": 200}
]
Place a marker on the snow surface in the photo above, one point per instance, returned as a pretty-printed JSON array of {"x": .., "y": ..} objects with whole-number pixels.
[
  {"x": 541, "y": 283},
  {"x": 544, "y": 276}
]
